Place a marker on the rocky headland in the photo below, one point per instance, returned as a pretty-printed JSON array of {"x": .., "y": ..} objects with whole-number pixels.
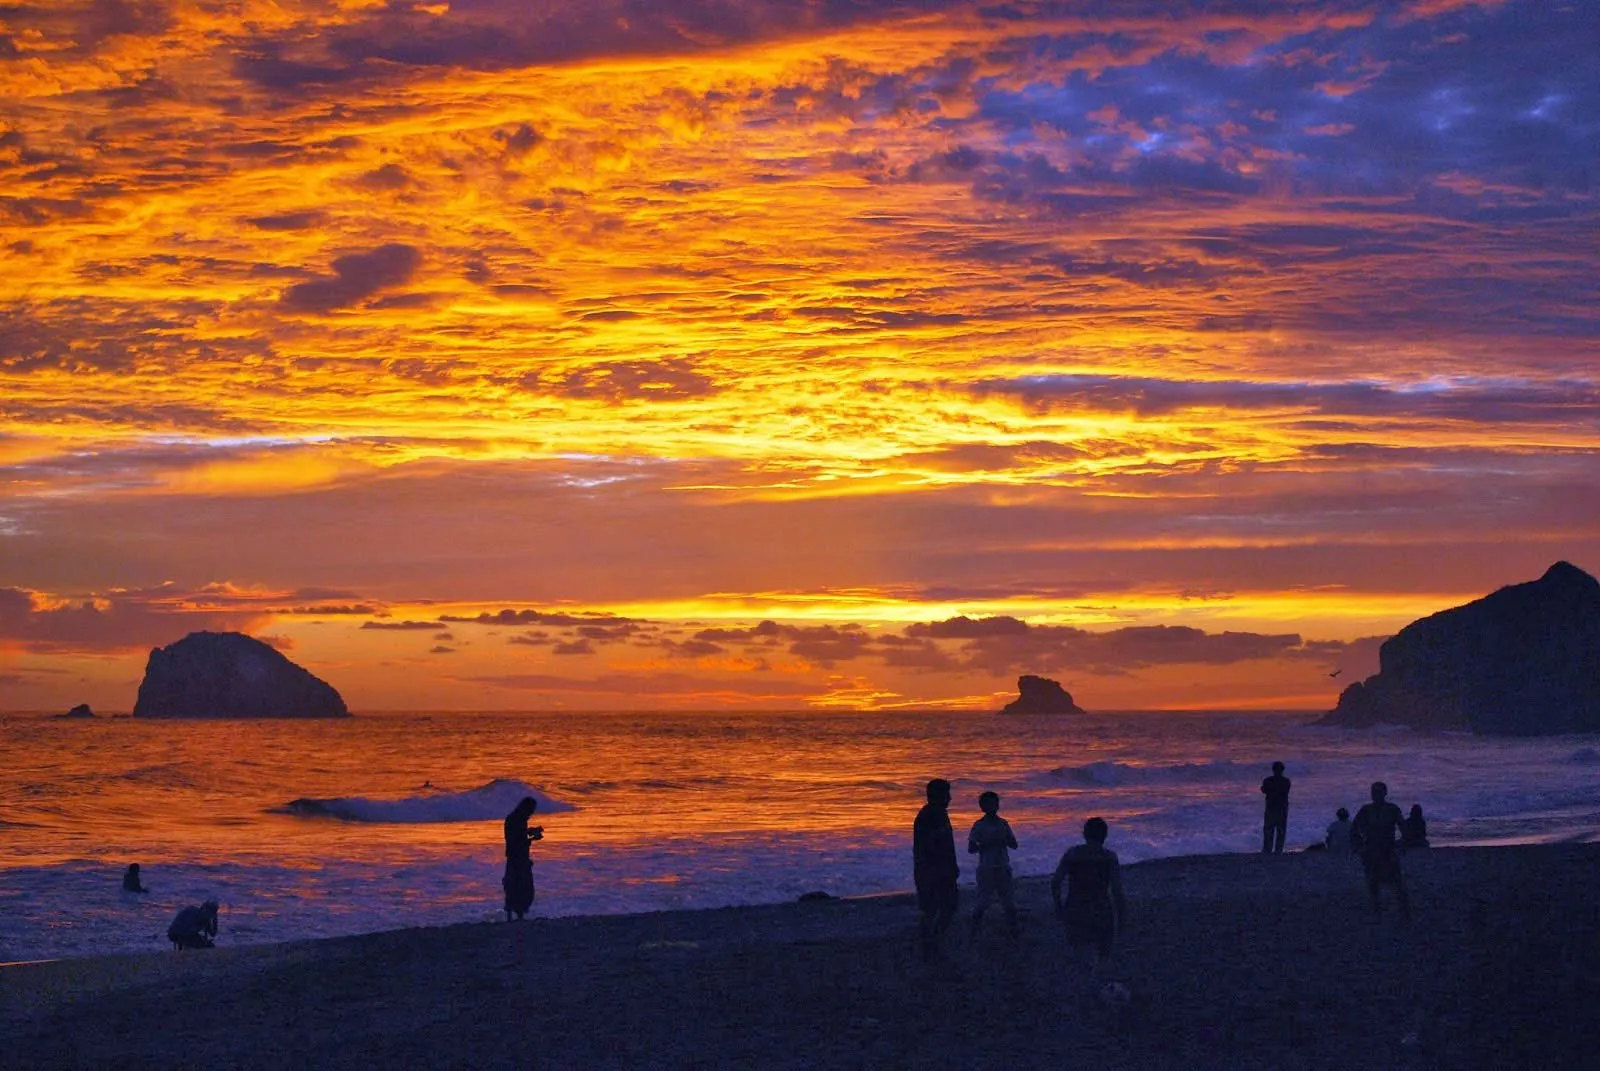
[
  {"x": 1041, "y": 695},
  {"x": 231, "y": 675},
  {"x": 1523, "y": 661}
]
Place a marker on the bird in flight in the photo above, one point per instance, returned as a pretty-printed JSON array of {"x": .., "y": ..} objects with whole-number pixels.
[{"x": 1336, "y": 672}]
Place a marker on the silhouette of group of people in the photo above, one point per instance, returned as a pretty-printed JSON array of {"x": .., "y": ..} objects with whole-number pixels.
[
  {"x": 1086, "y": 887},
  {"x": 1378, "y": 835}
]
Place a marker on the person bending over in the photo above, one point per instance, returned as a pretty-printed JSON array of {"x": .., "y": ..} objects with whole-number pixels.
[{"x": 194, "y": 927}]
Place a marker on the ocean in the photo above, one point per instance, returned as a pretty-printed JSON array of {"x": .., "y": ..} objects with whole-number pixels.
[{"x": 382, "y": 821}]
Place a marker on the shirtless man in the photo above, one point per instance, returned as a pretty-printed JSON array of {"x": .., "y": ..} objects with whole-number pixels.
[
  {"x": 1093, "y": 909},
  {"x": 1373, "y": 833}
]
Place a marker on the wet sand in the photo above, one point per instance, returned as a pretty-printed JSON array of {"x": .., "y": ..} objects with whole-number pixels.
[{"x": 1232, "y": 962}]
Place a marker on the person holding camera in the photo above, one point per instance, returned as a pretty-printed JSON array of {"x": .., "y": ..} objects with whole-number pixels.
[{"x": 518, "y": 882}]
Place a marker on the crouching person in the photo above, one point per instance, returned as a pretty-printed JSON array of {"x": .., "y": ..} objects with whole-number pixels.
[{"x": 194, "y": 927}]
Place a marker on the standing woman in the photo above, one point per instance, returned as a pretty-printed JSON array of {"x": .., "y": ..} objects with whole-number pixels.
[{"x": 518, "y": 881}]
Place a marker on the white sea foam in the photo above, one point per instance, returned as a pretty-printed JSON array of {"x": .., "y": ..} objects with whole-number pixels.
[
  {"x": 692, "y": 810},
  {"x": 1109, "y": 774},
  {"x": 493, "y": 800}
]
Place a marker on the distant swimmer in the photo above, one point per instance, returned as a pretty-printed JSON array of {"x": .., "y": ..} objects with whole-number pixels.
[
  {"x": 1275, "y": 822},
  {"x": 130, "y": 879},
  {"x": 194, "y": 927},
  {"x": 518, "y": 882}
]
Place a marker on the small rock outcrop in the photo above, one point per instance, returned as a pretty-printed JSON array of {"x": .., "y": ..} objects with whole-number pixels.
[
  {"x": 1524, "y": 661},
  {"x": 80, "y": 711},
  {"x": 230, "y": 675},
  {"x": 1041, "y": 695}
]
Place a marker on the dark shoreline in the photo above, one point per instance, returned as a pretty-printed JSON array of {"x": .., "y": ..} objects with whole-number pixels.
[{"x": 1235, "y": 961}]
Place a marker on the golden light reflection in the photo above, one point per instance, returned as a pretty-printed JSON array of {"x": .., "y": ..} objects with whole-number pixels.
[{"x": 829, "y": 317}]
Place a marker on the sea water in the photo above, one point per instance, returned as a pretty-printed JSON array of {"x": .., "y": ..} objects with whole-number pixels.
[{"x": 321, "y": 828}]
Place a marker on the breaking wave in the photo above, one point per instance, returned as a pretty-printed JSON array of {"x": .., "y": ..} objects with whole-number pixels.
[
  {"x": 493, "y": 800},
  {"x": 1108, "y": 774}
]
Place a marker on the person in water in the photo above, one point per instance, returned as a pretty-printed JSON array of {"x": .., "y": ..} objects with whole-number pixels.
[
  {"x": 1275, "y": 822},
  {"x": 518, "y": 882},
  {"x": 1338, "y": 839},
  {"x": 1414, "y": 830},
  {"x": 130, "y": 879},
  {"x": 194, "y": 927},
  {"x": 934, "y": 867},
  {"x": 1093, "y": 910},
  {"x": 991, "y": 840},
  {"x": 1373, "y": 834}
]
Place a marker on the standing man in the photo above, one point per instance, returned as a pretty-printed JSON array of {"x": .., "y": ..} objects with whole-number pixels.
[
  {"x": 1373, "y": 834},
  {"x": 933, "y": 864},
  {"x": 991, "y": 840},
  {"x": 1094, "y": 908},
  {"x": 1276, "y": 822}
]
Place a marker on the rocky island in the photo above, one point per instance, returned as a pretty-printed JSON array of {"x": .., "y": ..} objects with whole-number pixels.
[
  {"x": 1041, "y": 695},
  {"x": 231, "y": 675},
  {"x": 82, "y": 710},
  {"x": 1523, "y": 661}
]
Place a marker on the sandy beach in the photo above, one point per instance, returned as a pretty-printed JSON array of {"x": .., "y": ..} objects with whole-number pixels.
[{"x": 1232, "y": 962}]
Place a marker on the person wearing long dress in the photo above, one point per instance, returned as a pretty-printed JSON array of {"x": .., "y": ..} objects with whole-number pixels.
[{"x": 518, "y": 882}]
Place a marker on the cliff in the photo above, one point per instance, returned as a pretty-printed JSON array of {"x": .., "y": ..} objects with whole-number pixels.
[
  {"x": 1524, "y": 661},
  {"x": 229, "y": 675},
  {"x": 1040, "y": 695}
]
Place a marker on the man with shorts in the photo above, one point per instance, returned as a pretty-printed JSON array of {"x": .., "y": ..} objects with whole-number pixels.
[
  {"x": 1373, "y": 833},
  {"x": 1094, "y": 909},
  {"x": 1275, "y": 819},
  {"x": 933, "y": 866},
  {"x": 991, "y": 840}
]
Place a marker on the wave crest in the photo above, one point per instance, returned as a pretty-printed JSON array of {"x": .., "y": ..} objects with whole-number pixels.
[
  {"x": 1107, "y": 774},
  {"x": 493, "y": 800}
]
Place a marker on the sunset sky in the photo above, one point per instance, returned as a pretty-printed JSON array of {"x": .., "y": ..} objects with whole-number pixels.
[{"x": 622, "y": 354}]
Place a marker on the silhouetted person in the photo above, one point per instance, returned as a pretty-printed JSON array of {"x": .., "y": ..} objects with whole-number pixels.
[
  {"x": 1093, "y": 910},
  {"x": 933, "y": 866},
  {"x": 1373, "y": 834},
  {"x": 1338, "y": 839},
  {"x": 1414, "y": 829},
  {"x": 194, "y": 927},
  {"x": 991, "y": 840},
  {"x": 1275, "y": 823},
  {"x": 130, "y": 879},
  {"x": 518, "y": 882}
]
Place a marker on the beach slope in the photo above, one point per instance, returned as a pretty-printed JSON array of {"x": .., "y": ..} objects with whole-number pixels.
[{"x": 1232, "y": 962}]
